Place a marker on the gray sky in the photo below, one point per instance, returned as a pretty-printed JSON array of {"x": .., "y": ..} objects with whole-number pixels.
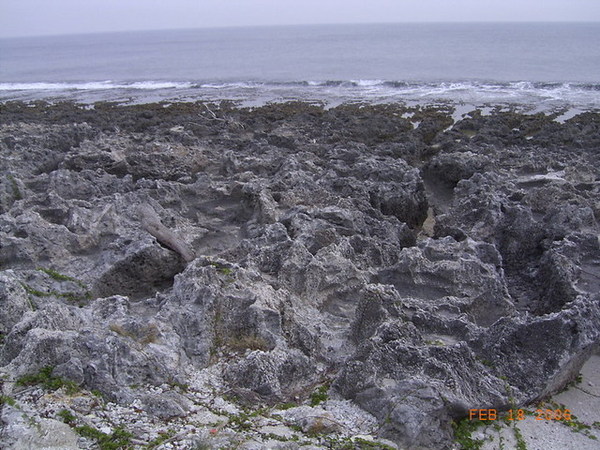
[{"x": 43, "y": 17}]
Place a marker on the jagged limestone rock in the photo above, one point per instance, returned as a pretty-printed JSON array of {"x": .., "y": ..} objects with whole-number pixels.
[{"x": 418, "y": 272}]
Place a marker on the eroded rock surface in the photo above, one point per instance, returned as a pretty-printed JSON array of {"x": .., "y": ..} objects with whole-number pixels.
[{"x": 418, "y": 272}]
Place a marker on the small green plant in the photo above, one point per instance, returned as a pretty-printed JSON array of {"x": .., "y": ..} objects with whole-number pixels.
[
  {"x": 576, "y": 381},
  {"x": 521, "y": 444},
  {"x": 574, "y": 423},
  {"x": 181, "y": 386},
  {"x": 119, "y": 438},
  {"x": 71, "y": 296},
  {"x": 225, "y": 270},
  {"x": 33, "y": 423},
  {"x": 6, "y": 400},
  {"x": 221, "y": 268},
  {"x": 162, "y": 437},
  {"x": 15, "y": 188},
  {"x": 364, "y": 444},
  {"x": 59, "y": 276},
  {"x": 580, "y": 427},
  {"x": 241, "y": 422},
  {"x": 356, "y": 444},
  {"x": 97, "y": 393},
  {"x": 263, "y": 411},
  {"x": 45, "y": 378},
  {"x": 319, "y": 396},
  {"x": 275, "y": 437},
  {"x": 36, "y": 292},
  {"x": 284, "y": 406},
  {"x": 66, "y": 416},
  {"x": 487, "y": 363},
  {"x": 463, "y": 431},
  {"x": 75, "y": 297}
]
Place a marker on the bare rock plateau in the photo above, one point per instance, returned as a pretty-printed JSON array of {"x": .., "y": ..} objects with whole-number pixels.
[{"x": 206, "y": 276}]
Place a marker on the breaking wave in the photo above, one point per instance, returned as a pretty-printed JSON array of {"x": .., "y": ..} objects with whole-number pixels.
[{"x": 584, "y": 95}]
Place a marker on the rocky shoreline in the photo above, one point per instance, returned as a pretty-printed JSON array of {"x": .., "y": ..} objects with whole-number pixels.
[{"x": 195, "y": 275}]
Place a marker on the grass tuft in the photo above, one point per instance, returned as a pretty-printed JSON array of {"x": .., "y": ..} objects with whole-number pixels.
[
  {"x": 119, "y": 438},
  {"x": 319, "y": 396},
  {"x": 66, "y": 416},
  {"x": 15, "y": 188},
  {"x": 45, "y": 378},
  {"x": 57, "y": 276},
  {"x": 145, "y": 335},
  {"x": 248, "y": 341},
  {"x": 6, "y": 400},
  {"x": 521, "y": 444},
  {"x": 463, "y": 431}
]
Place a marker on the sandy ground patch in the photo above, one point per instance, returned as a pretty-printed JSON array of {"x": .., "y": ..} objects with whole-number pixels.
[{"x": 582, "y": 433}]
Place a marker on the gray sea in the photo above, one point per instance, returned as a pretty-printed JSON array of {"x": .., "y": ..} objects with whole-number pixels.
[{"x": 542, "y": 66}]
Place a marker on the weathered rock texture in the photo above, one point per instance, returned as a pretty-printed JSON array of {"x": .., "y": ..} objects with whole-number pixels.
[{"x": 419, "y": 271}]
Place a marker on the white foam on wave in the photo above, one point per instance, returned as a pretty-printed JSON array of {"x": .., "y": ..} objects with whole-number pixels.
[
  {"x": 520, "y": 91},
  {"x": 470, "y": 91},
  {"x": 544, "y": 96},
  {"x": 368, "y": 83},
  {"x": 158, "y": 85},
  {"x": 233, "y": 85}
]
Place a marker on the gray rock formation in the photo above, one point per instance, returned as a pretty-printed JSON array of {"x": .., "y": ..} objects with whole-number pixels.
[{"x": 417, "y": 272}]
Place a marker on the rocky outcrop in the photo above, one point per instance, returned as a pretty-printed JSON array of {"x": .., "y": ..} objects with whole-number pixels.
[{"x": 415, "y": 272}]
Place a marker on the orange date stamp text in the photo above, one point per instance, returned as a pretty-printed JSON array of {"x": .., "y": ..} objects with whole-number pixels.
[{"x": 520, "y": 414}]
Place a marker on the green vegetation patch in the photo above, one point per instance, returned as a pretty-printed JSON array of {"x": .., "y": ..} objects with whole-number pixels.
[
  {"x": 319, "y": 396},
  {"x": 521, "y": 444},
  {"x": 45, "y": 378},
  {"x": 118, "y": 439},
  {"x": 463, "y": 431},
  {"x": 162, "y": 437},
  {"x": 6, "y": 400},
  {"x": 66, "y": 416},
  {"x": 59, "y": 276},
  {"x": 37, "y": 293},
  {"x": 284, "y": 406},
  {"x": 356, "y": 444},
  {"x": 15, "y": 188},
  {"x": 181, "y": 386},
  {"x": 222, "y": 268},
  {"x": 75, "y": 297}
]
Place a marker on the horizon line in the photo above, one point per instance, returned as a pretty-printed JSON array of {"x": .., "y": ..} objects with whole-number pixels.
[{"x": 224, "y": 27}]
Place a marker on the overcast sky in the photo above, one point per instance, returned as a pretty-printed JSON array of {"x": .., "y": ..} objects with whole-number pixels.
[{"x": 43, "y": 17}]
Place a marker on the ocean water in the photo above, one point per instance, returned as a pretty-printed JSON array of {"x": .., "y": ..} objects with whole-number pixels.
[{"x": 542, "y": 66}]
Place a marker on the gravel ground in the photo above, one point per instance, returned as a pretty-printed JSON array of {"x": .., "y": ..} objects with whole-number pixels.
[{"x": 582, "y": 399}]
